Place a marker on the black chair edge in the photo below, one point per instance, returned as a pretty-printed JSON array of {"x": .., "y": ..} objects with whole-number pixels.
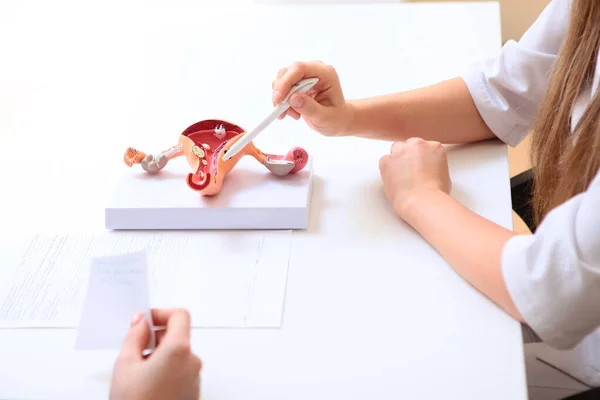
[{"x": 521, "y": 187}]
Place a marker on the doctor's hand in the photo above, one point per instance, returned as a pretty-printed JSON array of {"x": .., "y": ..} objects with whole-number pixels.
[
  {"x": 172, "y": 371},
  {"x": 323, "y": 108},
  {"x": 413, "y": 168}
]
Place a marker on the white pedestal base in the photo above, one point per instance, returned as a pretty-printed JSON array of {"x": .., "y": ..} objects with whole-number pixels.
[{"x": 251, "y": 198}]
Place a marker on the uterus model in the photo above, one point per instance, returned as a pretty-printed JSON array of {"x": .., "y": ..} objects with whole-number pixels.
[{"x": 203, "y": 144}]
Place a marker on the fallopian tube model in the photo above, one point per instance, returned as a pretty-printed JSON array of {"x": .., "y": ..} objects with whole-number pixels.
[{"x": 203, "y": 144}]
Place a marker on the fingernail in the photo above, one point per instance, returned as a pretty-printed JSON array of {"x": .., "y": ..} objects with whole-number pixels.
[
  {"x": 136, "y": 319},
  {"x": 297, "y": 101},
  {"x": 276, "y": 95}
]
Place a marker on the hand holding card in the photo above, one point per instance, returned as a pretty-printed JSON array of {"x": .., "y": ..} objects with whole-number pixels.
[
  {"x": 172, "y": 371},
  {"x": 117, "y": 290}
]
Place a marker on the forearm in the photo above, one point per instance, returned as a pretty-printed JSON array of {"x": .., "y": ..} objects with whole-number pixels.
[
  {"x": 444, "y": 112},
  {"x": 471, "y": 244}
]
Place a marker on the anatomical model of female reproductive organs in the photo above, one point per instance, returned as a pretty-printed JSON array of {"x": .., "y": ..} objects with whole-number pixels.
[{"x": 206, "y": 144}]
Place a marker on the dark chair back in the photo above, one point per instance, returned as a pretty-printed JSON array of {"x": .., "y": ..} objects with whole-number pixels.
[
  {"x": 593, "y": 394},
  {"x": 521, "y": 193}
]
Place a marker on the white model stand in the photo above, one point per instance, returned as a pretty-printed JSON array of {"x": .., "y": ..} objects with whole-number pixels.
[{"x": 251, "y": 198}]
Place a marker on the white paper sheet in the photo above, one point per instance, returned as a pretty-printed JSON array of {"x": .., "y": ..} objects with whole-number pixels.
[
  {"x": 226, "y": 279},
  {"x": 117, "y": 290}
]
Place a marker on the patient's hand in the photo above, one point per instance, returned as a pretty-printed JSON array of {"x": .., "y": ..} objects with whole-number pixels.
[{"x": 172, "y": 371}]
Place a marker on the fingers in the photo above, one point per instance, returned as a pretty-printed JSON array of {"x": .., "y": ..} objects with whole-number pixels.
[
  {"x": 287, "y": 77},
  {"x": 161, "y": 316},
  {"x": 305, "y": 105},
  {"x": 290, "y": 112},
  {"x": 281, "y": 72},
  {"x": 383, "y": 162},
  {"x": 196, "y": 364},
  {"x": 279, "y": 75},
  {"x": 136, "y": 340},
  {"x": 414, "y": 141},
  {"x": 193, "y": 390},
  {"x": 175, "y": 339},
  {"x": 294, "y": 114},
  {"x": 160, "y": 335},
  {"x": 177, "y": 322},
  {"x": 419, "y": 141}
]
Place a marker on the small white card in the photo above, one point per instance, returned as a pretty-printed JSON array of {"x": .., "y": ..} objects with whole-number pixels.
[{"x": 117, "y": 289}]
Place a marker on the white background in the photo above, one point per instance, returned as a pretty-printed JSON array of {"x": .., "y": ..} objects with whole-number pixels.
[{"x": 371, "y": 310}]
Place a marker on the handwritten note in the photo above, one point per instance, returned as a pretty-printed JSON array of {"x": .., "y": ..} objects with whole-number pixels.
[{"x": 117, "y": 289}]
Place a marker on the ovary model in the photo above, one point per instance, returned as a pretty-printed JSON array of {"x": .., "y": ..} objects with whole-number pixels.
[{"x": 203, "y": 144}]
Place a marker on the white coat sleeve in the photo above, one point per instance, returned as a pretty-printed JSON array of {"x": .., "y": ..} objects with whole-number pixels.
[
  {"x": 508, "y": 89},
  {"x": 553, "y": 276}
]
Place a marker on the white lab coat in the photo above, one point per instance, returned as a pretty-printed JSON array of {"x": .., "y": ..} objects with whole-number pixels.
[{"x": 553, "y": 276}]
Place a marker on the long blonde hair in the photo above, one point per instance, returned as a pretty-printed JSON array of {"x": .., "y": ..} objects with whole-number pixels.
[{"x": 565, "y": 163}]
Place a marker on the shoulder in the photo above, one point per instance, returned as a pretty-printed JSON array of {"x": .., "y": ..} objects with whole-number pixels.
[{"x": 550, "y": 28}]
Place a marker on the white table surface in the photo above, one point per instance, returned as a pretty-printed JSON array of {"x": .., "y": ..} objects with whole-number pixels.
[{"x": 371, "y": 310}]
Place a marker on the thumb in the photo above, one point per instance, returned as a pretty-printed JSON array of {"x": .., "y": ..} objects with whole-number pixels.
[
  {"x": 137, "y": 337},
  {"x": 307, "y": 106}
]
